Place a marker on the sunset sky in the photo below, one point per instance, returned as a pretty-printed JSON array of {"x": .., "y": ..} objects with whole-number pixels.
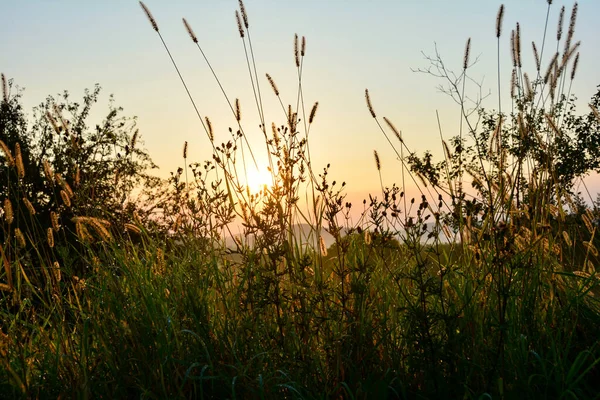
[{"x": 50, "y": 46}]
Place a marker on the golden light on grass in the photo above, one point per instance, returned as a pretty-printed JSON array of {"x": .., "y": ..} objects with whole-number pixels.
[
  {"x": 7, "y": 154},
  {"x": 8, "y": 212}
]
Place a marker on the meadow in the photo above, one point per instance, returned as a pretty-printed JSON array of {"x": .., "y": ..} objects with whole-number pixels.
[{"x": 117, "y": 284}]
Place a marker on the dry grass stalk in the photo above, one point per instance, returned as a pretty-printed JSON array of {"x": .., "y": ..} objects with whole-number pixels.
[
  {"x": 65, "y": 198},
  {"x": 56, "y": 271},
  {"x": 54, "y": 221},
  {"x": 133, "y": 228},
  {"x": 513, "y": 83},
  {"x": 7, "y": 268},
  {"x": 29, "y": 206},
  {"x": 567, "y": 56},
  {"x": 313, "y": 112},
  {"x": 50, "y": 237},
  {"x": 150, "y": 17},
  {"x": 296, "y": 51},
  {"x": 513, "y": 52},
  {"x": 48, "y": 173},
  {"x": 575, "y": 64},
  {"x": 7, "y": 154},
  {"x": 588, "y": 223},
  {"x": 518, "y": 45},
  {"x": 134, "y": 139},
  {"x": 369, "y": 105},
  {"x": 160, "y": 262},
  {"x": 82, "y": 233},
  {"x": 447, "y": 150},
  {"x": 561, "y": 19},
  {"x": 272, "y": 82},
  {"x": 19, "y": 161},
  {"x": 536, "y": 56},
  {"x": 567, "y": 238},
  {"x": 377, "y": 160},
  {"x": 77, "y": 178},
  {"x": 97, "y": 224},
  {"x": 528, "y": 88},
  {"x": 393, "y": 128},
  {"x": 20, "y": 238},
  {"x": 368, "y": 238},
  {"x": 239, "y": 24},
  {"x": 244, "y": 14},
  {"x": 322, "y": 246},
  {"x": 190, "y": 31},
  {"x": 303, "y": 47},
  {"x": 571, "y": 31},
  {"x": 209, "y": 127},
  {"x": 8, "y": 212},
  {"x": 499, "y": 18},
  {"x": 4, "y": 88},
  {"x": 591, "y": 248}
]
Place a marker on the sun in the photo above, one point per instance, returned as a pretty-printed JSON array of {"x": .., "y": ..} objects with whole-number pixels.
[{"x": 259, "y": 179}]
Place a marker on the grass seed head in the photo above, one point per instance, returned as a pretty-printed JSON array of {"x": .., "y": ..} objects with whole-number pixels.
[
  {"x": 518, "y": 45},
  {"x": 48, "y": 172},
  {"x": 296, "y": 51},
  {"x": 7, "y": 154},
  {"x": 54, "y": 221},
  {"x": 499, "y": 18},
  {"x": 322, "y": 246},
  {"x": 313, "y": 112},
  {"x": 536, "y": 56},
  {"x": 50, "y": 237},
  {"x": 56, "y": 271},
  {"x": 133, "y": 228},
  {"x": 244, "y": 14},
  {"x": 561, "y": 19},
  {"x": 65, "y": 198},
  {"x": 209, "y": 126},
  {"x": 377, "y": 160},
  {"x": 19, "y": 161},
  {"x": 185, "y": 148},
  {"x": 467, "y": 53},
  {"x": 393, "y": 128},
  {"x": 8, "y": 212},
  {"x": 150, "y": 17},
  {"x": 238, "y": 111},
  {"x": 4, "y": 88},
  {"x": 272, "y": 82},
  {"x": 303, "y": 47},
  {"x": 369, "y": 105},
  {"x": 20, "y": 238},
  {"x": 572, "y": 23},
  {"x": 190, "y": 31},
  {"x": 238, "y": 19},
  {"x": 29, "y": 206},
  {"x": 575, "y": 64}
]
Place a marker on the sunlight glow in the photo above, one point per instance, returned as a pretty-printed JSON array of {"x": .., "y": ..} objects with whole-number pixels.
[{"x": 258, "y": 179}]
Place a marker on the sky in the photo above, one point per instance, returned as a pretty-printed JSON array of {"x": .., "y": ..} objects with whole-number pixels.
[{"x": 50, "y": 46}]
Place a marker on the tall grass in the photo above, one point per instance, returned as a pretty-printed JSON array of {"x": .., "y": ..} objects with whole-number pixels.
[{"x": 482, "y": 293}]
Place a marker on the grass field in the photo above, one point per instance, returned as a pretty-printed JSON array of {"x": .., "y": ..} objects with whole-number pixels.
[{"x": 483, "y": 286}]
